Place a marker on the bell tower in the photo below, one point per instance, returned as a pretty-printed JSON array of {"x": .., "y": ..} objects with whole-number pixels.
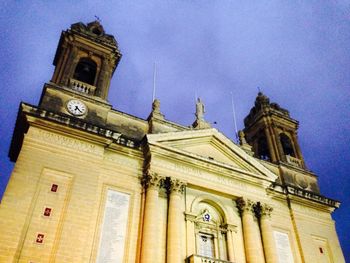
[
  {"x": 85, "y": 60},
  {"x": 272, "y": 133}
]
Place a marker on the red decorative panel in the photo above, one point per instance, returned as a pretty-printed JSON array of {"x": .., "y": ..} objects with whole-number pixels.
[
  {"x": 47, "y": 211},
  {"x": 40, "y": 238},
  {"x": 54, "y": 188}
]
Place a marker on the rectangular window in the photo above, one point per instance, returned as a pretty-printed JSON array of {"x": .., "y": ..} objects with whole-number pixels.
[{"x": 206, "y": 245}]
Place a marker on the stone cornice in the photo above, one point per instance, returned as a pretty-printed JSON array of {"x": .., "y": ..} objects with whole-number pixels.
[
  {"x": 302, "y": 195},
  {"x": 79, "y": 124},
  {"x": 31, "y": 115}
]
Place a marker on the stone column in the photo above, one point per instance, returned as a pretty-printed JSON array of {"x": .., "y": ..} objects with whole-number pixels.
[
  {"x": 251, "y": 234},
  {"x": 150, "y": 233},
  {"x": 175, "y": 220},
  {"x": 267, "y": 234}
]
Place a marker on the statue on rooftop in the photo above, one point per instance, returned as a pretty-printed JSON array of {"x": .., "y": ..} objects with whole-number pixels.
[
  {"x": 200, "y": 109},
  {"x": 200, "y": 123}
]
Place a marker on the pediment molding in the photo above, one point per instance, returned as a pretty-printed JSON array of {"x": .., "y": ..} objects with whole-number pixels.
[{"x": 233, "y": 157}]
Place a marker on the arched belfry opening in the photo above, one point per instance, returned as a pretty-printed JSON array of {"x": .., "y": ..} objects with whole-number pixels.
[
  {"x": 286, "y": 145},
  {"x": 85, "y": 71},
  {"x": 263, "y": 150}
]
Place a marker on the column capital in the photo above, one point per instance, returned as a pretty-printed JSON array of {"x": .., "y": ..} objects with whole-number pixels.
[
  {"x": 245, "y": 205},
  {"x": 151, "y": 179},
  {"x": 176, "y": 186},
  {"x": 265, "y": 210}
]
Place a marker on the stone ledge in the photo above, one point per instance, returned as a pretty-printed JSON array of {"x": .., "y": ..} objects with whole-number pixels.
[
  {"x": 289, "y": 189},
  {"x": 30, "y": 110}
]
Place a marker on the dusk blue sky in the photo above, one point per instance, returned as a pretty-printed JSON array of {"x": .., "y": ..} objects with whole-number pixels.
[{"x": 297, "y": 52}]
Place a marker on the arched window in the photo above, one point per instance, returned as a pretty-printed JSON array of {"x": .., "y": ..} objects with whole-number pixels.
[
  {"x": 210, "y": 232},
  {"x": 263, "y": 150},
  {"x": 85, "y": 71},
  {"x": 287, "y": 145}
]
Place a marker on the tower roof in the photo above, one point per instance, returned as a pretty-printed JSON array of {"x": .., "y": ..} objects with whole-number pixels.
[
  {"x": 263, "y": 105},
  {"x": 95, "y": 31},
  {"x": 92, "y": 31}
]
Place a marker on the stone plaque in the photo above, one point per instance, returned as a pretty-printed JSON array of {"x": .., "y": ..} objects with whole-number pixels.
[
  {"x": 284, "y": 251},
  {"x": 113, "y": 231}
]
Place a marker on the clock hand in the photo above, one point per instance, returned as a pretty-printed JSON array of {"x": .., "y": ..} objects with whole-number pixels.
[{"x": 77, "y": 108}]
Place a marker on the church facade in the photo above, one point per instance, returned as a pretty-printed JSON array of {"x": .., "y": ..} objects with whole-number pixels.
[{"x": 93, "y": 184}]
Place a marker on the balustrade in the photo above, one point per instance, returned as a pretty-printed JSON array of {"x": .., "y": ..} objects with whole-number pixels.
[
  {"x": 203, "y": 259},
  {"x": 294, "y": 161},
  {"x": 82, "y": 87}
]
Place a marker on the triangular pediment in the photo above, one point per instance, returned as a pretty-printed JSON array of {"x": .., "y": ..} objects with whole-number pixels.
[{"x": 212, "y": 146}]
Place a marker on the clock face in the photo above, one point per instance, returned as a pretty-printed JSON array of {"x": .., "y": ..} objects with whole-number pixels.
[{"x": 76, "y": 107}]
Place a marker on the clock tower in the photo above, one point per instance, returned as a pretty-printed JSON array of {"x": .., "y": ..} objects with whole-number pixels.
[{"x": 85, "y": 61}]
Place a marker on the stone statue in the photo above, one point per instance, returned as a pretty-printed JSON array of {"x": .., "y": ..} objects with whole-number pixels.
[
  {"x": 200, "y": 123},
  {"x": 243, "y": 143},
  {"x": 241, "y": 136},
  {"x": 156, "y": 106},
  {"x": 156, "y": 114},
  {"x": 200, "y": 109}
]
